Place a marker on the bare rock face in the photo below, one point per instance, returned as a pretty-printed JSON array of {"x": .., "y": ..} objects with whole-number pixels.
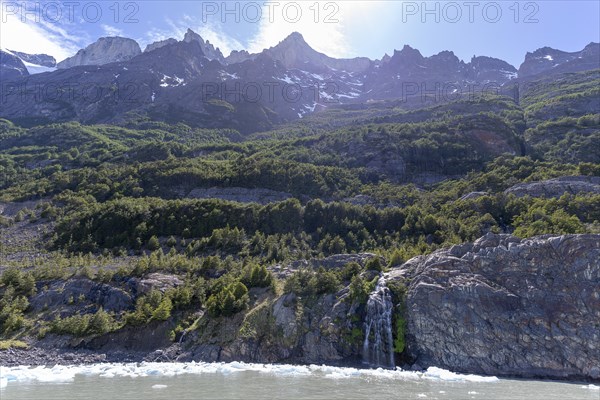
[
  {"x": 239, "y": 56},
  {"x": 548, "y": 60},
  {"x": 294, "y": 52},
  {"x": 77, "y": 294},
  {"x": 104, "y": 51},
  {"x": 507, "y": 306},
  {"x": 159, "y": 44},
  {"x": 11, "y": 66},
  {"x": 557, "y": 187},
  {"x": 39, "y": 59},
  {"x": 208, "y": 49}
]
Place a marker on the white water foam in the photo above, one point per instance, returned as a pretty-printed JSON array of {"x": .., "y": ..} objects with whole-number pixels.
[
  {"x": 66, "y": 374},
  {"x": 591, "y": 387}
]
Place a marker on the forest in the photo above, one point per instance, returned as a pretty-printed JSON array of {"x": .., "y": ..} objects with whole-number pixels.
[{"x": 107, "y": 202}]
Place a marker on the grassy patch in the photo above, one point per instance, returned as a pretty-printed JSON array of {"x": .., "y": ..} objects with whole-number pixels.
[{"x": 13, "y": 344}]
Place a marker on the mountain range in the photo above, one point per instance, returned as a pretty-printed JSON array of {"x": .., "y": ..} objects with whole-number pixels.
[{"x": 191, "y": 81}]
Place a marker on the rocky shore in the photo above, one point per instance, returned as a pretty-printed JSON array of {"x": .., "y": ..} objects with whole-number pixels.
[{"x": 504, "y": 306}]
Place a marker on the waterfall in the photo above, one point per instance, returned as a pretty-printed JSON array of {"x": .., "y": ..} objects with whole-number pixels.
[{"x": 378, "y": 350}]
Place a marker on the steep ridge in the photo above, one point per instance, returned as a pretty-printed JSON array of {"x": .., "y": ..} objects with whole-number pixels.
[
  {"x": 11, "y": 66},
  {"x": 284, "y": 83},
  {"x": 38, "y": 59},
  {"x": 551, "y": 61}
]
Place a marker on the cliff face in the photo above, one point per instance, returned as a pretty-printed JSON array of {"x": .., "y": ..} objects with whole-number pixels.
[
  {"x": 104, "y": 51},
  {"x": 505, "y": 306},
  {"x": 11, "y": 66}
]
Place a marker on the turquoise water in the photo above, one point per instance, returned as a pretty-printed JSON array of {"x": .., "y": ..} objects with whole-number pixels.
[{"x": 174, "y": 381}]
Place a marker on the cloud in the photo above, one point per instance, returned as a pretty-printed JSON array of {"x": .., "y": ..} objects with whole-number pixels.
[
  {"x": 324, "y": 25},
  {"x": 219, "y": 39},
  {"x": 111, "y": 30},
  {"x": 36, "y": 36}
]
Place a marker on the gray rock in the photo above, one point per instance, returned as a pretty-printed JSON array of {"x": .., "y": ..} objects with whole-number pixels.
[
  {"x": 473, "y": 195},
  {"x": 157, "y": 281},
  {"x": 11, "y": 66},
  {"x": 39, "y": 59},
  {"x": 557, "y": 187},
  {"x": 78, "y": 294},
  {"x": 506, "y": 306},
  {"x": 208, "y": 49},
  {"x": 104, "y": 51},
  {"x": 159, "y": 44}
]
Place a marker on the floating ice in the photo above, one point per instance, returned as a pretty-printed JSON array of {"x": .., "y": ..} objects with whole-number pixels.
[
  {"x": 159, "y": 386},
  {"x": 445, "y": 375},
  {"x": 67, "y": 374}
]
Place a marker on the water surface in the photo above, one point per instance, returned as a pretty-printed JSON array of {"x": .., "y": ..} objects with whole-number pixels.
[{"x": 154, "y": 381}]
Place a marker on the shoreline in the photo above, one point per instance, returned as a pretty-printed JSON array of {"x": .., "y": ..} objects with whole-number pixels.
[{"x": 50, "y": 358}]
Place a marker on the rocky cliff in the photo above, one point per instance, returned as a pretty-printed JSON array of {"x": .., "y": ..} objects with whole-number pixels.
[
  {"x": 208, "y": 49},
  {"x": 551, "y": 61},
  {"x": 506, "y": 306},
  {"x": 11, "y": 67},
  {"x": 159, "y": 44},
  {"x": 38, "y": 59},
  {"x": 104, "y": 51}
]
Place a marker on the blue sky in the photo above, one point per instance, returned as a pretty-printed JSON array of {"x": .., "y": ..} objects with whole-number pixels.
[{"x": 502, "y": 29}]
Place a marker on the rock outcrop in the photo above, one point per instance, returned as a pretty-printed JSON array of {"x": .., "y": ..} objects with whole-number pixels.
[
  {"x": 11, "y": 67},
  {"x": 208, "y": 49},
  {"x": 294, "y": 52},
  {"x": 104, "y": 51},
  {"x": 159, "y": 44},
  {"x": 557, "y": 187},
  {"x": 77, "y": 294},
  {"x": 548, "y": 60},
  {"x": 507, "y": 306},
  {"x": 38, "y": 59},
  {"x": 284, "y": 330}
]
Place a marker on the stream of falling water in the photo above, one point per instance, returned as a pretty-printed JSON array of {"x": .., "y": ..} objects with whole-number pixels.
[{"x": 378, "y": 346}]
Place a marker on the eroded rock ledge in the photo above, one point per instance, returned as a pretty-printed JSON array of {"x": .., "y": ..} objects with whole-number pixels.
[{"x": 506, "y": 306}]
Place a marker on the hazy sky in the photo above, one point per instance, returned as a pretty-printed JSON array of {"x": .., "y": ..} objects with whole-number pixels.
[{"x": 502, "y": 29}]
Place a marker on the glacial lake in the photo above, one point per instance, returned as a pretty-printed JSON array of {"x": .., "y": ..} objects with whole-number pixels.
[{"x": 222, "y": 381}]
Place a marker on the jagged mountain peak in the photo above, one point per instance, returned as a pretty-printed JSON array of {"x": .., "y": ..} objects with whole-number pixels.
[
  {"x": 294, "y": 42},
  {"x": 294, "y": 52},
  {"x": 208, "y": 49},
  {"x": 294, "y": 37},
  {"x": 407, "y": 52},
  {"x": 158, "y": 44}
]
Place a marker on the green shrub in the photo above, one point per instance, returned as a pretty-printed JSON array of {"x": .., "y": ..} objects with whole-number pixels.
[{"x": 230, "y": 300}]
